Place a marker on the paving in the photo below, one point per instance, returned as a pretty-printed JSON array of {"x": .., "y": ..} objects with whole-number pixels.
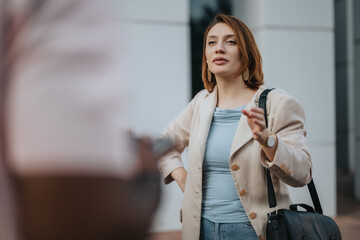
[{"x": 348, "y": 209}]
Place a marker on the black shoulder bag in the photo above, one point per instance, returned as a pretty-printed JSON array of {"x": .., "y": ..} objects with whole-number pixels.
[{"x": 293, "y": 224}]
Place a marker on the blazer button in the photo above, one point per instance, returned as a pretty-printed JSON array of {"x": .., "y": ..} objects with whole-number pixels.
[
  {"x": 180, "y": 215},
  {"x": 242, "y": 192},
  {"x": 235, "y": 167},
  {"x": 252, "y": 215}
]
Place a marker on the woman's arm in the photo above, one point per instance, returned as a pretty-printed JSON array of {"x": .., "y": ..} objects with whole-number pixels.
[
  {"x": 178, "y": 130},
  {"x": 289, "y": 159},
  {"x": 179, "y": 175}
]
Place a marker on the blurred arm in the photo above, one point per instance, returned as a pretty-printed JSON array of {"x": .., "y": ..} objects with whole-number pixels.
[{"x": 67, "y": 147}]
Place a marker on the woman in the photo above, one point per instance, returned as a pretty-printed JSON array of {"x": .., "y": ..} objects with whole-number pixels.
[{"x": 225, "y": 194}]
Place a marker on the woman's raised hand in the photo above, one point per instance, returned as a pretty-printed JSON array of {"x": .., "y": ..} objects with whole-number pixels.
[{"x": 256, "y": 121}]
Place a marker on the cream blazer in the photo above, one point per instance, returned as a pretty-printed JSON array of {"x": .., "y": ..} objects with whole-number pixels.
[{"x": 292, "y": 163}]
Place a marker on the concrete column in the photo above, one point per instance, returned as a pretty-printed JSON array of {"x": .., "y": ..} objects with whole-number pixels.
[
  {"x": 344, "y": 88},
  {"x": 349, "y": 26},
  {"x": 356, "y": 104},
  {"x": 156, "y": 53},
  {"x": 296, "y": 39}
]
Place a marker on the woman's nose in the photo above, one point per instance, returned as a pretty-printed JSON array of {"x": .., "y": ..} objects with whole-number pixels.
[{"x": 219, "y": 48}]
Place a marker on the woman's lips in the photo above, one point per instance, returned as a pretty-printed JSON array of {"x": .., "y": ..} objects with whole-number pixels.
[{"x": 220, "y": 60}]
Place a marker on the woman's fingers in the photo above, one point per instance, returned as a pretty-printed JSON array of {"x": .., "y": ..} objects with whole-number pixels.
[
  {"x": 245, "y": 112},
  {"x": 257, "y": 113},
  {"x": 256, "y": 116},
  {"x": 257, "y": 123},
  {"x": 255, "y": 119},
  {"x": 257, "y": 135},
  {"x": 257, "y": 110},
  {"x": 261, "y": 124}
]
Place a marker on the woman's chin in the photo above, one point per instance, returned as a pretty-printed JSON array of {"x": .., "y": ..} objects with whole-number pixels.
[{"x": 224, "y": 74}]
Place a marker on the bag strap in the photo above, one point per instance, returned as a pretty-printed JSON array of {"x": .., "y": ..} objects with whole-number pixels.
[
  {"x": 314, "y": 197},
  {"x": 270, "y": 187}
]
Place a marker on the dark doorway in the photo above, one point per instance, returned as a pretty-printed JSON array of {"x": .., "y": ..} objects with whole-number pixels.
[{"x": 202, "y": 12}]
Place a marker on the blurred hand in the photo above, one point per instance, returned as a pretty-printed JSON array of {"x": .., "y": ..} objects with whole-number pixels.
[{"x": 147, "y": 158}]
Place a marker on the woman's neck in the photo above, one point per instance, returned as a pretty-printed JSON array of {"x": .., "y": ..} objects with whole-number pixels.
[{"x": 233, "y": 92}]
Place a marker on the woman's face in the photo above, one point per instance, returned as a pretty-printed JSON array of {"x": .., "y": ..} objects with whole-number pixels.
[{"x": 222, "y": 53}]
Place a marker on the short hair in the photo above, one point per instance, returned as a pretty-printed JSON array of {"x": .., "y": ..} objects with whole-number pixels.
[{"x": 249, "y": 53}]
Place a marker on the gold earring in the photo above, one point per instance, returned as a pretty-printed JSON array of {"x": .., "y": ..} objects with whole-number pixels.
[
  {"x": 246, "y": 74},
  {"x": 209, "y": 77}
]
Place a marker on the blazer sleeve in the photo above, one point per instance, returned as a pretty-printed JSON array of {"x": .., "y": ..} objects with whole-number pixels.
[
  {"x": 292, "y": 162},
  {"x": 179, "y": 131}
]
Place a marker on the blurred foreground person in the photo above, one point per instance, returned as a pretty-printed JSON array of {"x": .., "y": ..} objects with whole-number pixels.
[{"x": 67, "y": 168}]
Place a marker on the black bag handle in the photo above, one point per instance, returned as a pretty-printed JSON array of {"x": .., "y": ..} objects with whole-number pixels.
[
  {"x": 270, "y": 187},
  {"x": 294, "y": 207}
]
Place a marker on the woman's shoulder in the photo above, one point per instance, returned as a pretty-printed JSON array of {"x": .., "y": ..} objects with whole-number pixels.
[
  {"x": 197, "y": 100},
  {"x": 281, "y": 100},
  {"x": 278, "y": 95},
  {"x": 202, "y": 94}
]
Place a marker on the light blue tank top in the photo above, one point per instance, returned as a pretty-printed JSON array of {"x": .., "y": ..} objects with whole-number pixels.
[{"x": 220, "y": 201}]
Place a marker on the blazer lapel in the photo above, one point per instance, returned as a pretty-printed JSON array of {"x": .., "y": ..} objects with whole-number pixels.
[
  {"x": 243, "y": 132},
  {"x": 206, "y": 113}
]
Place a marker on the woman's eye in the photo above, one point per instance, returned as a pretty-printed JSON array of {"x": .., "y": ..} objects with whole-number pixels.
[
  {"x": 232, "y": 42},
  {"x": 211, "y": 42}
]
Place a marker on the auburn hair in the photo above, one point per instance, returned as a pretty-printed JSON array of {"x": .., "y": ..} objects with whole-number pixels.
[{"x": 249, "y": 53}]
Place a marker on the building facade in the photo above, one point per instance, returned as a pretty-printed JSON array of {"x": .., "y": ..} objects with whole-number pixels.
[{"x": 297, "y": 42}]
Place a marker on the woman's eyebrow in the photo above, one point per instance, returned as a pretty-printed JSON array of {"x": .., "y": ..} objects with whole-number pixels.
[
  {"x": 229, "y": 35},
  {"x": 212, "y": 36},
  {"x": 226, "y": 36}
]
